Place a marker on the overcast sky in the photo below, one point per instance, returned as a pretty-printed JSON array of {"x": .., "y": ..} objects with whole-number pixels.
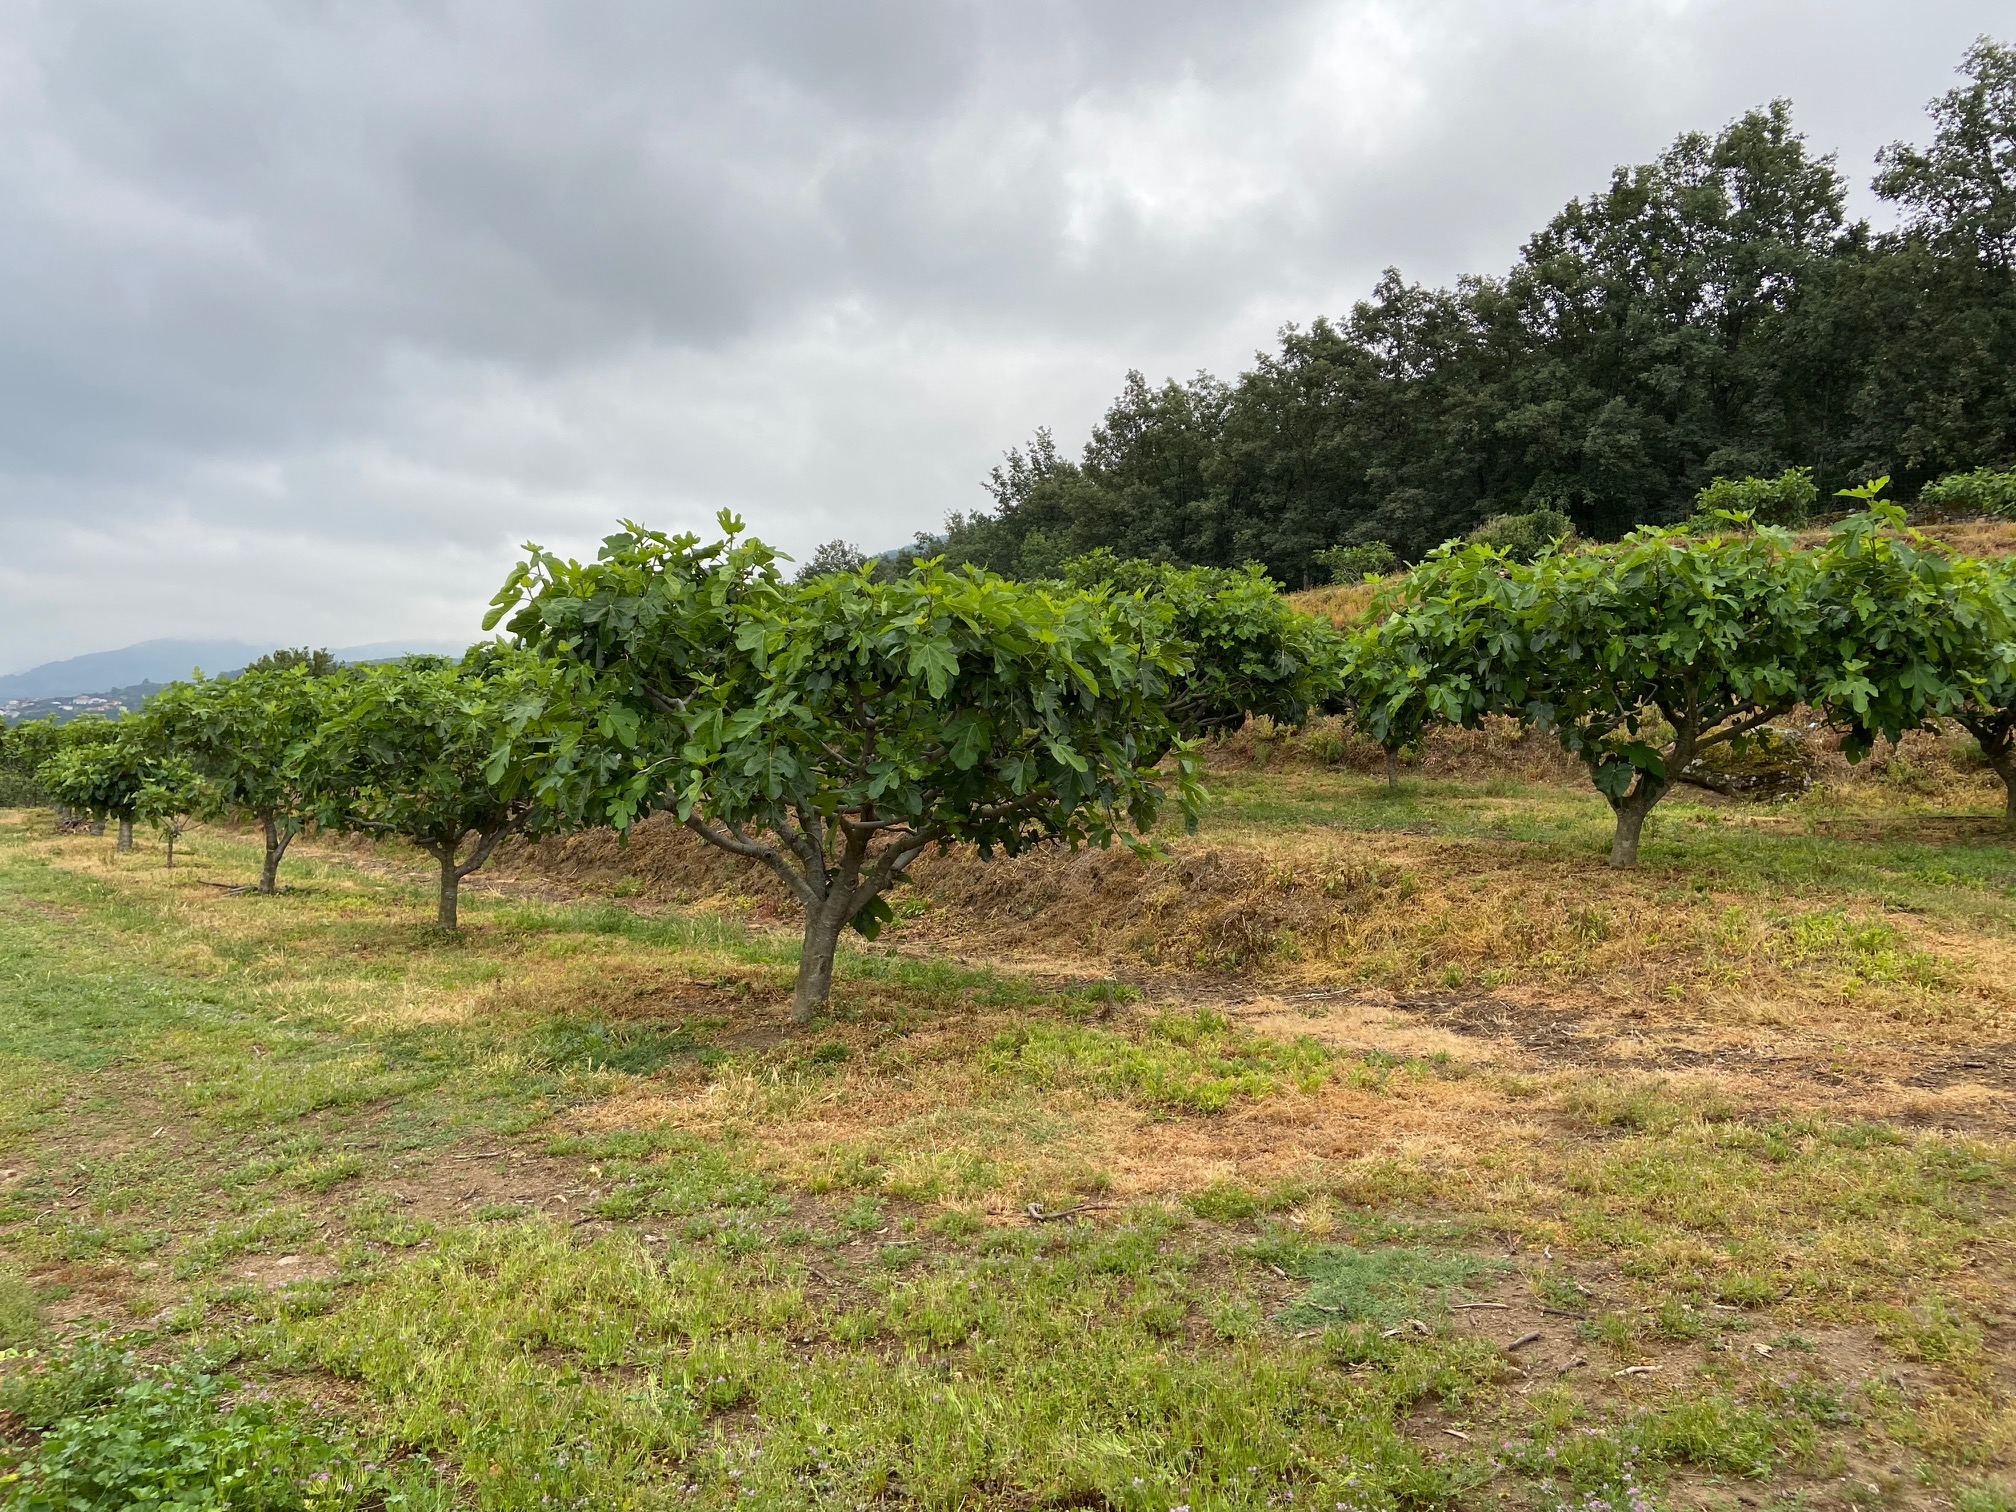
[{"x": 311, "y": 312}]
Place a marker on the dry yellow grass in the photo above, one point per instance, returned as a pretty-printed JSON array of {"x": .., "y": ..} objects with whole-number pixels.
[{"x": 1340, "y": 603}]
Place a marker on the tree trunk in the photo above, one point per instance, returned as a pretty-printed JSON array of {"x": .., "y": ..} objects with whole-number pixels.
[
  {"x": 276, "y": 847},
  {"x": 815, "y": 961},
  {"x": 125, "y": 840},
  {"x": 1995, "y": 733},
  {"x": 171, "y": 849},
  {"x": 95, "y": 827},
  {"x": 451, "y": 892},
  {"x": 1632, "y": 811},
  {"x": 1392, "y": 772},
  {"x": 832, "y": 889}
]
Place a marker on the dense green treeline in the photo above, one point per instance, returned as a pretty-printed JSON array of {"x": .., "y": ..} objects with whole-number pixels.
[{"x": 1715, "y": 313}]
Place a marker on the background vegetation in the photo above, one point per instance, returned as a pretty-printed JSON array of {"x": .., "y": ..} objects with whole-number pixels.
[{"x": 1712, "y": 314}]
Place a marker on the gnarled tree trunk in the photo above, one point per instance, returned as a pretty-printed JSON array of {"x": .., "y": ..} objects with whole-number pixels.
[
  {"x": 1693, "y": 732},
  {"x": 1647, "y": 788},
  {"x": 833, "y": 871},
  {"x": 1999, "y": 746},
  {"x": 446, "y": 912},
  {"x": 455, "y": 866},
  {"x": 814, "y": 986},
  {"x": 278, "y": 837},
  {"x": 1632, "y": 811},
  {"x": 125, "y": 840}
]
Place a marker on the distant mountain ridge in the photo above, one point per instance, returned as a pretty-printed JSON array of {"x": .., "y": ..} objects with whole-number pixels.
[{"x": 162, "y": 661}]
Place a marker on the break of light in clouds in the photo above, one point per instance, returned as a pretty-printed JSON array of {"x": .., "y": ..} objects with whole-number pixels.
[{"x": 313, "y": 312}]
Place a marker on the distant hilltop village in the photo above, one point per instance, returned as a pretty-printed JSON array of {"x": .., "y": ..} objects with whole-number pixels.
[{"x": 74, "y": 705}]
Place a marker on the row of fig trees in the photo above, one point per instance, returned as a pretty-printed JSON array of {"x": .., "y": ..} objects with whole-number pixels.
[
  {"x": 835, "y": 728},
  {"x": 1643, "y": 655},
  {"x": 424, "y": 749},
  {"x": 831, "y": 730}
]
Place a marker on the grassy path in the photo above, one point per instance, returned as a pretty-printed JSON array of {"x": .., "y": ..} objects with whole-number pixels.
[{"x": 555, "y": 1214}]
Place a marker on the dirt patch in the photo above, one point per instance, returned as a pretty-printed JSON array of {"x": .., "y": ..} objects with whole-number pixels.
[
  {"x": 1550, "y": 1036},
  {"x": 287, "y": 1270},
  {"x": 1990, "y": 1065}
]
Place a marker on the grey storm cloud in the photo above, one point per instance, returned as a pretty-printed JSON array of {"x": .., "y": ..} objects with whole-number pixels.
[{"x": 313, "y": 311}]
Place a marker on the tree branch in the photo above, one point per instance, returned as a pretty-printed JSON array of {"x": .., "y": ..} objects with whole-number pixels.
[
  {"x": 731, "y": 838},
  {"x": 486, "y": 842},
  {"x": 663, "y": 704},
  {"x": 890, "y": 865},
  {"x": 1743, "y": 726}
]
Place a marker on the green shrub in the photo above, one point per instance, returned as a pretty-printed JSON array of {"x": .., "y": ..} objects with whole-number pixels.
[
  {"x": 1349, "y": 564},
  {"x": 1523, "y": 536},
  {"x": 1250, "y": 651},
  {"x": 1784, "y": 500},
  {"x": 1983, "y": 491}
]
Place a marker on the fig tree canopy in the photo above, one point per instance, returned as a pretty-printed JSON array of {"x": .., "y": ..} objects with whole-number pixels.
[
  {"x": 429, "y": 751},
  {"x": 239, "y": 732},
  {"x": 832, "y": 730},
  {"x": 1638, "y": 656}
]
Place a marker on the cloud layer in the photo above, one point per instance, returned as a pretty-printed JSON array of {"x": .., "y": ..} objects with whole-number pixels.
[{"x": 315, "y": 311}]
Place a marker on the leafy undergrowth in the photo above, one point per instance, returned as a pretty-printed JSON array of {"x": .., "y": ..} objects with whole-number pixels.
[{"x": 93, "y": 1426}]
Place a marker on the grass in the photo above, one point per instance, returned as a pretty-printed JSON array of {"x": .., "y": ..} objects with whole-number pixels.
[{"x": 298, "y": 1191}]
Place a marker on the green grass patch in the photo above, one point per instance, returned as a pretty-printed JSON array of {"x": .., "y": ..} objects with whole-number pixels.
[
  {"x": 1035, "y": 1370},
  {"x": 1386, "y": 1286},
  {"x": 1193, "y": 1062}
]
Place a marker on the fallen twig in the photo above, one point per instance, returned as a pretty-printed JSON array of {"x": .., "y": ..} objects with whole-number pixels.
[
  {"x": 1523, "y": 1340},
  {"x": 1037, "y": 1215},
  {"x": 1635, "y": 1370},
  {"x": 1562, "y": 1312},
  {"x": 485, "y": 1155},
  {"x": 1467, "y": 1306}
]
